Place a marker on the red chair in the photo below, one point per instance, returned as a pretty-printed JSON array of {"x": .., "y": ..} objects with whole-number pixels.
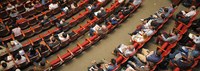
[
  {"x": 32, "y": 21},
  {"x": 21, "y": 9},
  {"x": 29, "y": 32},
  {"x": 56, "y": 63},
  {"x": 77, "y": 50},
  {"x": 4, "y": 14},
  {"x": 67, "y": 56},
  {"x": 37, "y": 29},
  {"x": 5, "y": 31}
]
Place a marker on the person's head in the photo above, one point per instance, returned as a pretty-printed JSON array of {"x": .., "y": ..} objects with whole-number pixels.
[
  {"x": 37, "y": 2},
  {"x": 12, "y": 43},
  {"x": 9, "y": 5},
  {"x": 113, "y": 61},
  {"x": 4, "y": 64},
  {"x": 166, "y": 9},
  {"x": 162, "y": 16},
  {"x": 42, "y": 63},
  {"x": 158, "y": 53},
  {"x": 18, "y": 57},
  {"x": 193, "y": 8},
  {"x": 64, "y": 35}
]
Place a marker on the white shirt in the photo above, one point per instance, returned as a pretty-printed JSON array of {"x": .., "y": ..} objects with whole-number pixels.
[
  {"x": 191, "y": 13},
  {"x": 65, "y": 9},
  {"x": 53, "y": 6},
  {"x": 196, "y": 39},
  {"x": 17, "y": 31},
  {"x": 148, "y": 32},
  {"x": 101, "y": 0},
  {"x": 10, "y": 8},
  {"x": 22, "y": 60},
  {"x": 63, "y": 39},
  {"x": 120, "y": 1},
  {"x": 138, "y": 38},
  {"x": 148, "y": 24},
  {"x": 136, "y": 2}
]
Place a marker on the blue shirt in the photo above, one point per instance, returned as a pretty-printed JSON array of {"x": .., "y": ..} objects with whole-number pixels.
[{"x": 154, "y": 58}]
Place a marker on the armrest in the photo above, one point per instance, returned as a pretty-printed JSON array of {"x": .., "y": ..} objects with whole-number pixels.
[
  {"x": 60, "y": 58},
  {"x": 82, "y": 27},
  {"x": 79, "y": 45},
  {"x": 38, "y": 52},
  {"x": 32, "y": 29},
  {"x": 7, "y": 28},
  {"x": 27, "y": 57},
  {"x": 70, "y": 52},
  {"x": 161, "y": 48},
  {"x": 47, "y": 46},
  {"x": 179, "y": 30},
  {"x": 74, "y": 31},
  {"x": 88, "y": 40}
]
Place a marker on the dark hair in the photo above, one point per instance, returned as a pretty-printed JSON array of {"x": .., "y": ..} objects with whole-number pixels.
[
  {"x": 42, "y": 63},
  {"x": 4, "y": 65},
  {"x": 166, "y": 9},
  {"x": 162, "y": 16},
  {"x": 18, "y": 57},
  {"x": 113, "y": 61},
  {"x": 158, "y": 53},
  {"x": 64, "y": 35}
]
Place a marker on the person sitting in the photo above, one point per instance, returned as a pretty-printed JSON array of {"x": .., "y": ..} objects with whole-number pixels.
[
  {"x": 98, "y": 30},
  {"x": 16, "y": 31},
  {"x": 180, "y": 59},
  {"x": 41, "y": 66},
  {"x": 125, "y": 50},
  {"x": 100, "y": 13},
  {"x": 45, "y": 20},
  {"x": 29, "y": 7},
  {"x": 14, "y": 13},
  {"x": 73, "y": 6},
  {"x": 140, "y": 38},
  {"x": 96, "y": 66},
  {"x": 52, "y": 41},
  {"x": 63, "y": 37},
  {"x": 66, "y": 9},
  {"x": 101, "y": 1},
  {"x": 138, "y": 65},
  {"x": 20, "y": 59},
  {"x": 42, "y": 47},
  {"x": 9, "y": 7},
  {"x": 195, "y": 39},
  {"x": 37, "y": 4},
  {"x": 126, "y": 10},
  {"x": 110, "y": 66},
  {"x": 92, "y": 7},
  {"x": 6, "y": 65},
  {"x": 164, "y": 37},
  {"x": 196, "y": 26},
  {"x": 135, "y": 2},
  {"x": 15, "y": 45},
  {"x": 151, "y": 57},
  {"x": 53, "y": 5},
  {"x": 61, "y": 23},
  {"x": 114, "y": 19},
  {"x": 32, "y": 52},
  {"x": 184, "y": 16}
]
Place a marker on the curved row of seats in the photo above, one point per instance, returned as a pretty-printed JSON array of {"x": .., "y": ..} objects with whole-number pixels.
[
  {"x": 121, "y": 59},
  {"x": 35, "y": 26},
  {"x": 36, "y": 41},
  {"x": 88, "y": 41},
  {"x": 166, "y": 47}
]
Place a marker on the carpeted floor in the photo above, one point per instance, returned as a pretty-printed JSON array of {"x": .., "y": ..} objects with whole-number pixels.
[{"x": 103, "y": 49}]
